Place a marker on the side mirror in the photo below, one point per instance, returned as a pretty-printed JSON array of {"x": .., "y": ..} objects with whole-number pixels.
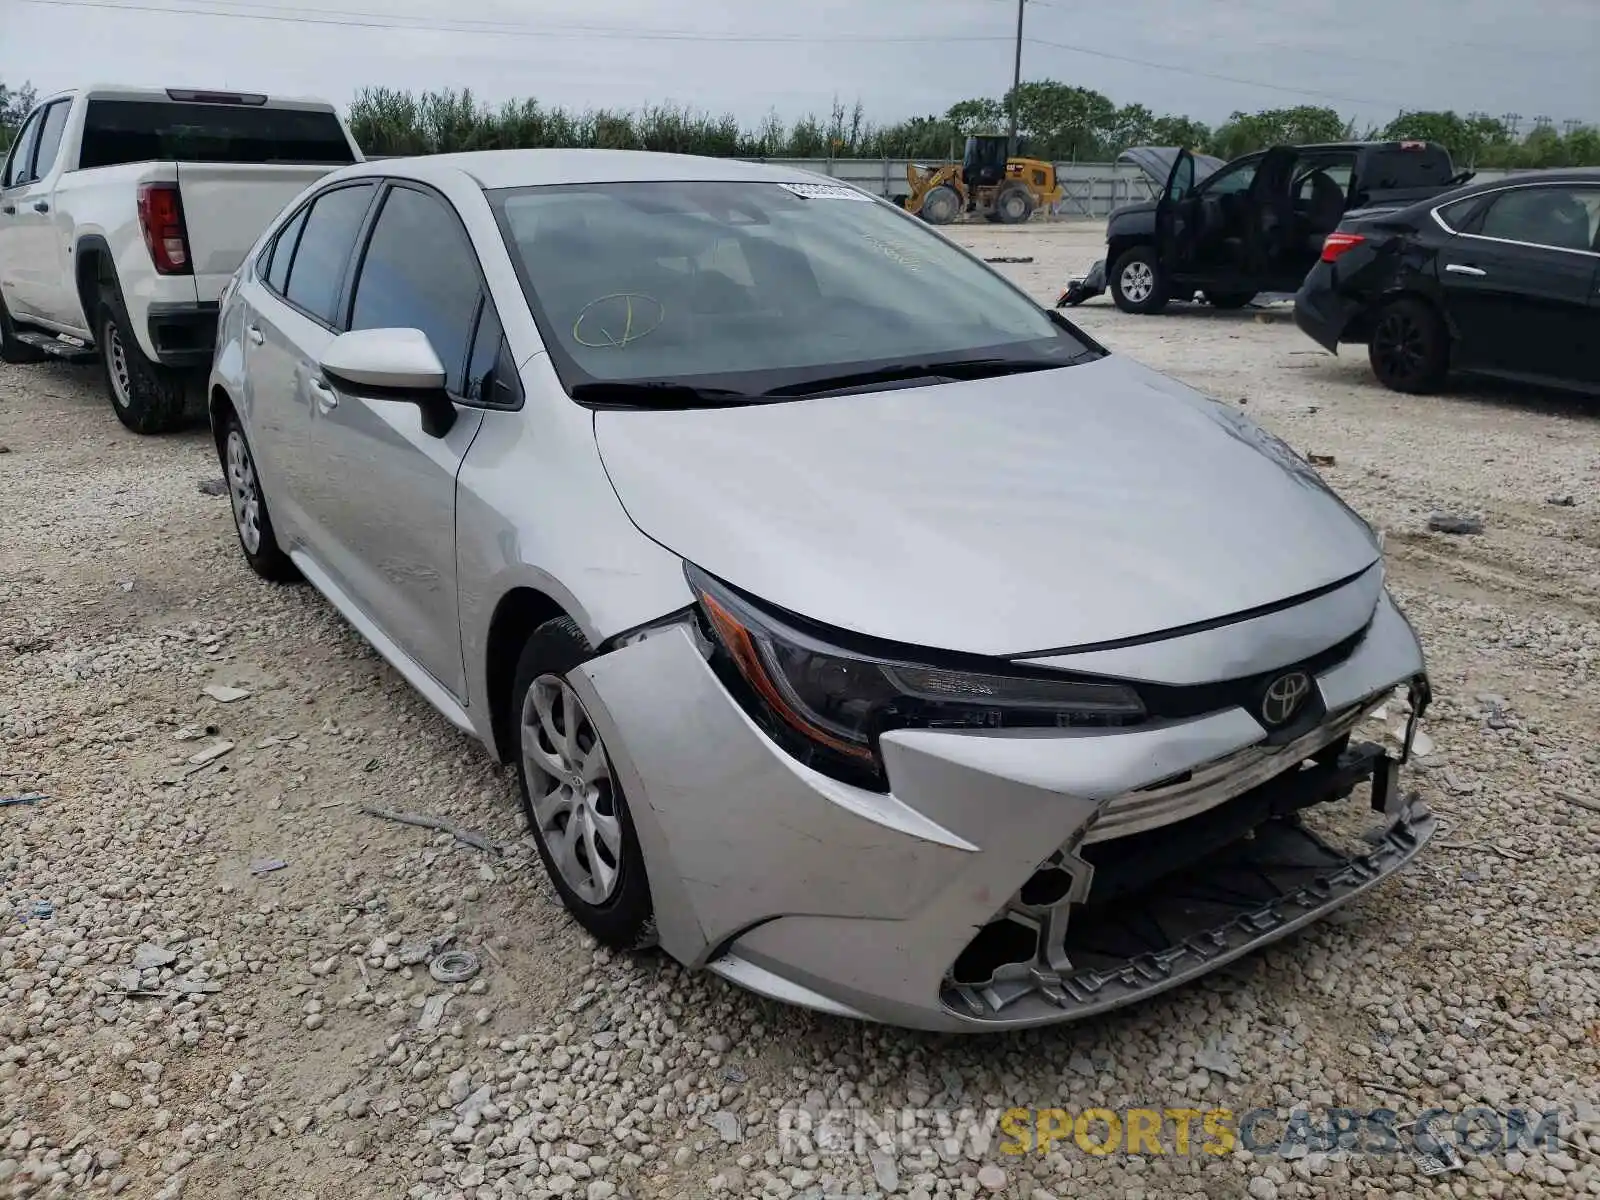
[{"x": 393, "y": 364}]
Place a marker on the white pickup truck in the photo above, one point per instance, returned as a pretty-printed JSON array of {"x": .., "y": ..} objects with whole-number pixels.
[{"x": 123, "y": 214}]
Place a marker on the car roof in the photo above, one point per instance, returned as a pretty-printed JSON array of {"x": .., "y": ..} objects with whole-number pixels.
[{"x": 492, "y": 169}]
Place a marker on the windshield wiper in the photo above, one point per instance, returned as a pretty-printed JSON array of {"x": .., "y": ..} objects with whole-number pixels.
[
  {"x": 956, "y": 369},
  {"x": 655, "y": 393}
]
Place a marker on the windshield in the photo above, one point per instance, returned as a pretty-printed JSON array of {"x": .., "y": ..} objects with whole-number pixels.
[{"x": 750, "y": 289}]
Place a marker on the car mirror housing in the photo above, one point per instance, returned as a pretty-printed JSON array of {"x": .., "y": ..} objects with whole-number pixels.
[{"x": 393, "y": 364}]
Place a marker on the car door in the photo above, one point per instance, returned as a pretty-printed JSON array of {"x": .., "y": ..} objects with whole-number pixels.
[
  {"x": 392, "y": 534},
  {"x": 1270, "y": 224},
  {"x": 290, "y": 316},
  {"x": 1519, "y": 281},
  {"x": 45, "y": 280},
  {"x": 16, "y": 201},
  {"x": 1174, "y": 224}
]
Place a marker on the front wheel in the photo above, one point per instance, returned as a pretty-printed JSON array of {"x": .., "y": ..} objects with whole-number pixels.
[
  {"x": 1138, "y": 283},
  {"x": 146, "y": 396},
  {"x": 572, "y": 797},
  {"x": 1410, "y": 347},
  {"x": 941, "y": 205}
]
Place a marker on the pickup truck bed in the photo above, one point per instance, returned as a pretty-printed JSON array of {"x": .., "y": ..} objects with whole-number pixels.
[{"x": 123, "y": 214}]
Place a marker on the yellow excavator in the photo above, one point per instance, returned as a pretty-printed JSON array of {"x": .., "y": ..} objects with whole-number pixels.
[{"x": 988, "y": 181}]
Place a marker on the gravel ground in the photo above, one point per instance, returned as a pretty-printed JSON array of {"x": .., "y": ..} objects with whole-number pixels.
[{"x": 189, "y": 1020}]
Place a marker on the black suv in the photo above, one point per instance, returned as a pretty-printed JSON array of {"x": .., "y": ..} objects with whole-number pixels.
[{"x": 1253, "y": 225}]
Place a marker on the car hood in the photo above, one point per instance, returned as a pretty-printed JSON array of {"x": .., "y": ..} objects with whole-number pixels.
[
  {"x": 1001, "y": 516},
  {"x": 1156, "y": 162}
]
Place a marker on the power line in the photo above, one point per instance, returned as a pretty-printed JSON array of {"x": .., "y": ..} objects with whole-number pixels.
[
  {"x": 1161, "y": 66},
  {"x": 377, "y": 21}
]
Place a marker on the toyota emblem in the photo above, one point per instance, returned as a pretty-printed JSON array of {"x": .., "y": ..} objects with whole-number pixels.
[{"x": 1284, "y": 697}]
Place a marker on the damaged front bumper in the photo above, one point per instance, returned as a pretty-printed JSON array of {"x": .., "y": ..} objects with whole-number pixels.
[{"x": 1006, "y": 879}]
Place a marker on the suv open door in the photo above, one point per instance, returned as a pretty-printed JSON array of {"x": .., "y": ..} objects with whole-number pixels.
[{"x": 1270, "y": 231}]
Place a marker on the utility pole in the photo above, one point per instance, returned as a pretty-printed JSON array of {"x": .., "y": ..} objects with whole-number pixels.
[{"x": 1016, "y": 82}]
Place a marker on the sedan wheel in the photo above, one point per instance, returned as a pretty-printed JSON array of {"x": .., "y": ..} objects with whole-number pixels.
[
  {"x": 1409, "y": 349},
  {"x": 244, "y": 491},
  {"x": 570, "y": 789}
]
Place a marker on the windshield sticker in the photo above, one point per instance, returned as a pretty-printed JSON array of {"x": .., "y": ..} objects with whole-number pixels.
[{"x": 825, "y": 191}]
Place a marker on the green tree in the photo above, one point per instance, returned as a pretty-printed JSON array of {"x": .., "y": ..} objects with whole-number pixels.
[{"x": 15, "y": 105}]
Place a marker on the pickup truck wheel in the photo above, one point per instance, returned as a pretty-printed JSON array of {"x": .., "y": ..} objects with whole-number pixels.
[
  {"x": 1138, "y": 282},
  {"x": 147, "y": 397},
  {"x": 257, "y": 538},
  {"x": 11, "y": 350}
]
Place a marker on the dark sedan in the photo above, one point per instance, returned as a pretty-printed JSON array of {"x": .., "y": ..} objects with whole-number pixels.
[{"x": 1501, "y": 278}]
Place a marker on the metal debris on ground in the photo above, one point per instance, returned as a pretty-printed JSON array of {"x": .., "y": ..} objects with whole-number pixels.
[
  {"x": 1561, "y": 501},
  {"x": 433, "y": 1012},
  {"x": 43, "y": 910},
  {"x": 1321, "y": 460},
  {"x": 466, "y": 836},
  {"x": 1011, "y": 258},
  {"x": 1449, "y": 523},
  {"x": 265, "y": 866},
  {"x": 213, "y": 487},
  {"x": 223, "y": 694},
  {"x": 25, "y": 798},
  {"x": 454, "y": 966},
  {"x": 148, "y": 955},
  {"x": 210, "y": 754}
]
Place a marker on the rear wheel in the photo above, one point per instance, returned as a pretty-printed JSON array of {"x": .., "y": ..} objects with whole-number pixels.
[
  {"x": 11, "y": 350},
  {"x": 1138, "y": 284},
  {"x": 1014, "y": 205},
  {"x": 572, "y": 797},
  {"x": 1229, "y": 299},
  {"x": 941, "y": 205},
  {"x": 147, "y": 397},
  {"x": 1410, "y": 347}
]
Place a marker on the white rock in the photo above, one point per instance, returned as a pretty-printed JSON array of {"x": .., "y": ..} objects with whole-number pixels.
[
  {"x": 224, "y": 694},
  {"x": 1262, "y": 1188}
]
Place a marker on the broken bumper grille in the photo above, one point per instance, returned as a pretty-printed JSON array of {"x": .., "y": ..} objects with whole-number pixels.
[{"x": 1068, "y": 950}]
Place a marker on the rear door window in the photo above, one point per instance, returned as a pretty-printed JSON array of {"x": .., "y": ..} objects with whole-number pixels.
[
  {"x": 420, "y": 272},
  {"x": 55, "y": 122},
  {"x": 125, "y": 131},
  {"x": 324, "y": 250},
  {"x": 1562, "y": 218},
  {"x": 282, "y": 252}
]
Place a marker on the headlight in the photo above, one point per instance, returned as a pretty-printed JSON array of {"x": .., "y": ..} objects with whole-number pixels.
[{"x": 827, "y": 703}]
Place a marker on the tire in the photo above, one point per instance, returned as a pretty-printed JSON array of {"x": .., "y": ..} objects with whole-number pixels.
[
  {"x": 251, "y": 520},
  {"x": 613, "y": 901},
  {"x": 1228, "y": 299},
  {"x": 1410, "y": 347},
  {"x": 1138, "y": 284},
  {"x": 11, "y": 350},
  {"x": 941, "y": 205},
  {"x": 1013, "y": 206},
  {"x": 146, "y": 396}
]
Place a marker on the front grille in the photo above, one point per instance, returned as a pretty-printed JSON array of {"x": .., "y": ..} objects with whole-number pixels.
[{"x": 1214, "y": 783}]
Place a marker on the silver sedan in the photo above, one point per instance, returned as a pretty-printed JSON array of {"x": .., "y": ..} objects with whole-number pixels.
[{"x": 859, "y": 630}]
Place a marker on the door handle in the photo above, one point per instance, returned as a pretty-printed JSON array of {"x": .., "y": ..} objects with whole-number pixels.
[
  {"x": 41, "y": 206},
  {"x": 327, "y": 398},
  {"x": 253, "y": 332},
  {"x": 1463, "y": 269}
]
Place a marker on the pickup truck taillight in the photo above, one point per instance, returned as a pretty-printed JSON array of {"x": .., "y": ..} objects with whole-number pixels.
[
  {"x": 1337, "y": 243},
  {"x": 161, "y": 220}
]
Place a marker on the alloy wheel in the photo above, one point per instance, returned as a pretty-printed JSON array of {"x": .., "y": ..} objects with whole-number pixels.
[
  {"x": 1138, "y": 281},
  {"x": 1398, "y": 345},
  {"x": 244, "y": 489},
  {"x": 571, "y": 790}
]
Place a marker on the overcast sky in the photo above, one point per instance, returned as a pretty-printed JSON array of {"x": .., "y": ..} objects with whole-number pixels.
[{"x": 1368, "y": 58}]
